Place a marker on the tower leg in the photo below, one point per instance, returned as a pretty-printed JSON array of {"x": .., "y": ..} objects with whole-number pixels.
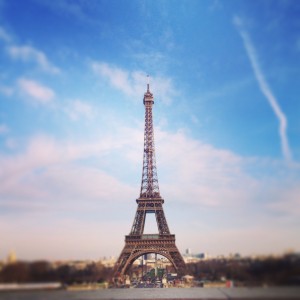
[{"x": 162, "y": 246}]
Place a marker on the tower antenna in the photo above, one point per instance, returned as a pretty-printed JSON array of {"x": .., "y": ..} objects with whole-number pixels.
[{"x": 148, "y": 82}]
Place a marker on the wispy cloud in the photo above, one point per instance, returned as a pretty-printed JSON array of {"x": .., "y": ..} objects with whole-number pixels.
[
  {"x": 192, "y": 172},
  {"x": 201, "y": 173},
  {"x": 39, "y": 171},
  {"x": 77, "y": 109},
  {"x": 119, "y": 78},
  {"x": 31, "y": 54},
  {"x": 39, "y": 93},
  {"x": 265, "y": 89},
  {"x": 134, "y": 83},
  {"x": 4, "y": 35},
  {"x": 27, "y": 53},
  {"x": 64, "y": 7}
]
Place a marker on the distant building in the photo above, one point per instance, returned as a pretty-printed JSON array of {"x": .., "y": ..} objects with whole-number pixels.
[
  {"x": 108, "y": 262},
  {"x": 11, "y": 257},
  {"x": 188, "y": 257}
]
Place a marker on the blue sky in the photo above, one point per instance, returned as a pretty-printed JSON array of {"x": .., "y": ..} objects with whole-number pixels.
[{"x": 225, "y": 77}]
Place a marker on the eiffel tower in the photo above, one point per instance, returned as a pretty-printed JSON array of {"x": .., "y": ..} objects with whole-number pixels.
[{"x": 137, "y": 243}]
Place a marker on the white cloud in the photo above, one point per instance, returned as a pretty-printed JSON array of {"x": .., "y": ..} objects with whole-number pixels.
[
  {"x": 78, "y": 108},
  {"x": 30, "y": 54},
  {"x": 200, "y": 173},
  {"x": 291, "y": 204},
  {"x": 36, "y": 91},
  {"x": 51, "y": 164},
  {"x": 118, "y": 78},
  {"x": 27, "y": 54},
  {"x": 4, "y": 35},
  {"x": 47, "y": 184},
  {"x": 265, "y": 89},
  {"x": 134, "y": 83}
]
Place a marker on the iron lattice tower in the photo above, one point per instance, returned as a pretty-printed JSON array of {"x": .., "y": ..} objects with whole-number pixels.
[{"x": 137, "y": 243}]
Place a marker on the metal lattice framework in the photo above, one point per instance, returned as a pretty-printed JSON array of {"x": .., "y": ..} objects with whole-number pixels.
[{"x": 137, "y": 243}]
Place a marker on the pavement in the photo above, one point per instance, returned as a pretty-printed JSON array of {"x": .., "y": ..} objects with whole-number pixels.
[
  {"x": 276, "y": 293},
  {"x": 201, "y": 293}
]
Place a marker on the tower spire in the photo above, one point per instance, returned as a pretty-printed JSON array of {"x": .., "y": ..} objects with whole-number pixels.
[{"x": 149, "y": 185}]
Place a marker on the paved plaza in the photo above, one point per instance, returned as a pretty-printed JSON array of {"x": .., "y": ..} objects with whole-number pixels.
[
  {"x": 198, "y": 293},
  {"x": 160, "y": 293}
]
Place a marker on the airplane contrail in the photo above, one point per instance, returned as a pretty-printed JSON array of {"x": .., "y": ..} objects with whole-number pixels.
[{"x": 265, "y": 89}]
